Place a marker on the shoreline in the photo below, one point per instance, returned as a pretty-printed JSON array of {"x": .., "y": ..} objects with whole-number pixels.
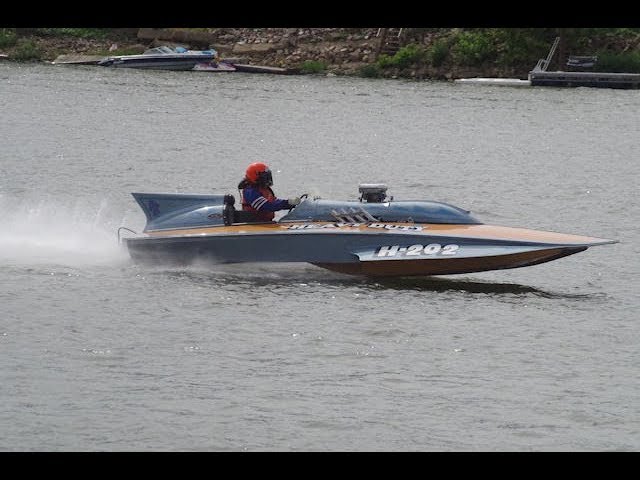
[
  {"x": 404, "y": 53},
  {"x": 328, "y": 51}
]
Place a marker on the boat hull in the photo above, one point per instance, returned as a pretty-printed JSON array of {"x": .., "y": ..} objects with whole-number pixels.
[
  {"x": 178, "y": 64},
  {"x": 373, "y": 249},
  {"x": 161, "y": 61}
]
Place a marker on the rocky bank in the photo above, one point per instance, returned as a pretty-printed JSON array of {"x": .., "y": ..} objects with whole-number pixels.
[{"x": 344, "y": 51}]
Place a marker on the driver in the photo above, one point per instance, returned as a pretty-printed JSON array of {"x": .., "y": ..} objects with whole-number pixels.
[{"x": 256, "y": 194}]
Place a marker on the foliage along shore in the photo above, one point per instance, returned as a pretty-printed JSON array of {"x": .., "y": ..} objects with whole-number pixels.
[{"x": 424, "y": 53}]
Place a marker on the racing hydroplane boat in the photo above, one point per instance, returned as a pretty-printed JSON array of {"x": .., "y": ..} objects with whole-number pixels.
[{"x": 373, "y": 236}]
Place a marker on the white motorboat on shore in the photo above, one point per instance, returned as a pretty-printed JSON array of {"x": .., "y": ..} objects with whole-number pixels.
[{"x": 162, "y": 58}]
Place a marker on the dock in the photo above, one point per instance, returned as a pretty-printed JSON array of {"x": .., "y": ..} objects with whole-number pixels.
[
  {"x": 501, "y": 82},
  {"x": 585, "y": 79},
  {"x": 539, "y": 76},
  {"x": 243, "y": 67}
]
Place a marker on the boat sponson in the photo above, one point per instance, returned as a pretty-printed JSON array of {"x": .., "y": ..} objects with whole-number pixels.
[{"x": 450, "y": 266}]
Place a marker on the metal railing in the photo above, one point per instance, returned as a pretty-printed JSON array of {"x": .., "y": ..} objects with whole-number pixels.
[
  {"x": 399, "y": 32},
  {"x": 543, "y": 63}
]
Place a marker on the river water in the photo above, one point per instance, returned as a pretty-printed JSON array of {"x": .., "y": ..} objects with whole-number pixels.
[{"x": 99, "y": 354}]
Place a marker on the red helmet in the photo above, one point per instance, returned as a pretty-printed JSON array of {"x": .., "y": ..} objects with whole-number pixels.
[{"x": 259, "y": 172}]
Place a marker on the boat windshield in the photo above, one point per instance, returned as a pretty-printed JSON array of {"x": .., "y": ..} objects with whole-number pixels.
[{"x": 157, "y": 50}]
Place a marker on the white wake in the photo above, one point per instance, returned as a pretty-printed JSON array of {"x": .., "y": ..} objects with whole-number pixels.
[{"x": 54, "y": 233}]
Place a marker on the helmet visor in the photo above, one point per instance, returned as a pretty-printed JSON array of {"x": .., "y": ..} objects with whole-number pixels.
[{"x": 265, "y": 178}]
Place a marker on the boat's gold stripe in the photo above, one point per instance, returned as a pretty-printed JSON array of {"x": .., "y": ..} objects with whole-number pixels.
[{"x": 468, "y": 231}]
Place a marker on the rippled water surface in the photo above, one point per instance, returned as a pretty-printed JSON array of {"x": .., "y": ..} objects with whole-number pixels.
[{"x": 100, "y": 354}]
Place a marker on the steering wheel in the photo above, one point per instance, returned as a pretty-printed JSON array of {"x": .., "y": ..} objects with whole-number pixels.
[{"x": 304, "y": 195}]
